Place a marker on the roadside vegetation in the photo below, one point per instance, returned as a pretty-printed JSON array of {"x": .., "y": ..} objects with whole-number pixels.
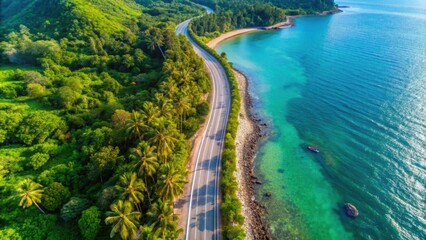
[{"x": 98, "y": 100}]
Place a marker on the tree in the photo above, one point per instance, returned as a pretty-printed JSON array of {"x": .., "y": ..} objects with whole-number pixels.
[
  {"x": 89, "y": 223},
  {"x": 36, "y": 90},
  {"x": 130, "y": 189},
  {"x": 120, "y": 118},
  {"x": 182, "y": 106},
  {"x": 171, "y": 183},
  {"x": 161, "y": 215},
  {"x": 73, "y": 208},
  {"x": 163, "y": 138},
  {"x": 37, "y": 126},
  {"x": 124, "y": 220},
  {"x": 30, "y": 192},
  {"x": 55, "y": 195},
  {"x": 135, "y": 125},
  {"x": 147, "y": 232},
  {"x": 104, "y": 159},
  {"x": 38, "y": 160},
  {"x": 146, "y": 162},
  {"x": 146, "y": 159},
  {"x": 150, "y": 112}
]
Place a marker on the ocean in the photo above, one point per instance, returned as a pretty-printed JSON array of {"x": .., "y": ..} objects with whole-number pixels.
[{"x": 352, "y": 84}]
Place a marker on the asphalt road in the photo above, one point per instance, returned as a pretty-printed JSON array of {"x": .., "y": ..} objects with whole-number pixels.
[{"x": 203, "y": 218}]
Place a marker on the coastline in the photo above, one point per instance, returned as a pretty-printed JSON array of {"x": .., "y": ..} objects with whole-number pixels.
[
  {"x": 289, "y": 22},
  {"x": 248, "y": 135},
  {"x": 250, "y": 132}
]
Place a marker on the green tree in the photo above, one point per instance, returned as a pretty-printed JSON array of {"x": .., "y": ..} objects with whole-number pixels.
[
  {"x": 55, "y": 195},
  {"x": 90, "y": 223},
  {"x": 171, "y": 183},
  {"x": 104, "y": 159},
  {"x": 123, "y": 219},
  {"x": 146, "y": 162},
  {"x": 38, "y": 160},
  {"x": 30, "y": 193},
  {"x": 162, "y": 216},
  {"x": 163, "y": 138},
  {"x": 35, "y": 90},
  {"x": 73, "y": 208},
  {"x": 131, "y": 188},
  {"x": 182, "y": 106},
  {"x": 135, "y": 125}
]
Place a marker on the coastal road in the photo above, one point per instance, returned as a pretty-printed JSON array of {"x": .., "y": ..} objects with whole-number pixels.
[{"x": 203, "y": 216}]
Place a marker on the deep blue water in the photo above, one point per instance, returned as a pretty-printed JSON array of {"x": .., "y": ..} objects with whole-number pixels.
[{"x": 353, "y": 84}]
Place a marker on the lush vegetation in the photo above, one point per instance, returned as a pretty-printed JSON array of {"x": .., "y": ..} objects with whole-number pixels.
[
  {"x": 234, "y": 14},
  {"x": 97, "y": 102},
  {"x": 232, "y": 219}
]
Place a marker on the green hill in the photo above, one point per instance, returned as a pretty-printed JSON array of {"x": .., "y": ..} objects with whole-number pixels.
[{"x": 58, "y": 17}]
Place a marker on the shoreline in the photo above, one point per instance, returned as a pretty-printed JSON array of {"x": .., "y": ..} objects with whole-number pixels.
[
  {"x": 249, "y": 133},
  {"x": 288, "y": 23},
  {"x": 214, "y": 43}
]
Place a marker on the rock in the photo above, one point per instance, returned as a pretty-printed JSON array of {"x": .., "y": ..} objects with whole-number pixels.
[
  {"x": 268, "y": 194},
  {"x": 257, "y": 181},
  {"x": 351, "y": 210}
]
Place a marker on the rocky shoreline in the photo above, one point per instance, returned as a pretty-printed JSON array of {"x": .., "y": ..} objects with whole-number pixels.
[{"x": 250, "y": 131}]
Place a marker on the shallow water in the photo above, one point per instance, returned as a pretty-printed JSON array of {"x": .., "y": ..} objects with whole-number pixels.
[{"x": 353, "y": 84}]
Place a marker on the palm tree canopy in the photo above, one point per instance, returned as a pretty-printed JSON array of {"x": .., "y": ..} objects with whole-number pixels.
[
  {"x": 162, "y": 216},
  {"x": 146, "y": 159},
  {"x": 171, "y": 183},
  {"x": 135, "y": 125},
  {"x": 131, "y": 188},
  {"x": 164, "y": 138},
  {"x": 124, "y": 220},
  {"x": 29, "y": 192}
]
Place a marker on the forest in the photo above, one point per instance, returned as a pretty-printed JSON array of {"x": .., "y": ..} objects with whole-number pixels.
[
  {"x": 234, "y": 14},
  {"x": 98, "y": 102}
]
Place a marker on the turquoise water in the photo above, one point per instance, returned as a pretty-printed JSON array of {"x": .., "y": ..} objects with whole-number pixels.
[{"x": 353, "y": 84}]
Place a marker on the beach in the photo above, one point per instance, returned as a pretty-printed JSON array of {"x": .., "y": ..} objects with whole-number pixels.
[{"x": 289, "y": 22}]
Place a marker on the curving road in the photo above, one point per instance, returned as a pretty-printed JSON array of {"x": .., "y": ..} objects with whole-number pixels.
[{"x": 203, "y": 217}]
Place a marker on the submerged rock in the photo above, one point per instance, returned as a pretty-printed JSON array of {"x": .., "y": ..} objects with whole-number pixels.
[
  {"x": 268, "y": 194},
  {"x": 351, "y": 210}
]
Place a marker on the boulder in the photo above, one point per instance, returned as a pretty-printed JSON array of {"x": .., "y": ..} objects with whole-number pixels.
[{"x": 351, "y": 210}]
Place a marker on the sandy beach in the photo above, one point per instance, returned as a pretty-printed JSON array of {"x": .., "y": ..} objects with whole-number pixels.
[{"x": 289, "y": 22}]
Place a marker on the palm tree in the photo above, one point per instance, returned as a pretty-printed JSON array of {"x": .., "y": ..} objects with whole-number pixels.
[
  {"x": 163, "y": 138},
  {"x": 150, "y": 112},
  {"x": 30, "y": 193},
  {"x": 124, "y": 219},
  {"x": 131, "y": 189},
  {"x": 146, "y": 162},
  {"x": 164, "y": 104},
  {"x": 182, "y": 106},
  {"x": 161, "y": 214},
  {"x": 146, "y": 232},
  {"x": 146, "y": 159},
  {"x": 154, "y": 38},
  {"x": 169, "y": 88},
  {"x": 135, "y": 125},
  {"x": 171, "y": 183}
]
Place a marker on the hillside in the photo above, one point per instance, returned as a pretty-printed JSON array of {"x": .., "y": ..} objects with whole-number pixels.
[
  {"x": 56, "y": 18},
  {"x": 95, "y": 117}
]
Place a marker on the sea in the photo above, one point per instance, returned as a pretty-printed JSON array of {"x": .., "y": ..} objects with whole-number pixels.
[{"x": 352, "y": 84}]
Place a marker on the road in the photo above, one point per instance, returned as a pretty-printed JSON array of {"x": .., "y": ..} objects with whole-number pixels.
[{"x": 203, "y": 217}]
